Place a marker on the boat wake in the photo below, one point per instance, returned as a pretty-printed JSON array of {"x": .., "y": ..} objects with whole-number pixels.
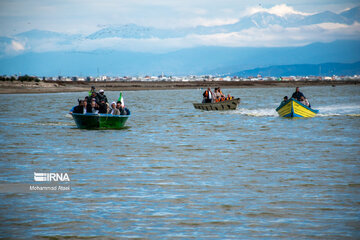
[
  {"x": 340, "y": 110},
  {"x": 261, "y": 112},
  {"x": 352, "y": 110}
]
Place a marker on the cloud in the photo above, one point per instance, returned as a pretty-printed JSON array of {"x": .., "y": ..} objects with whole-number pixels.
[
  {"x": 16, "y": 46},
  {"x": 280, "y": 10},
  {"x": 10, "y": 47},
  {"x": 273, "y": 36},
  {"x": 209, "y": 22}
]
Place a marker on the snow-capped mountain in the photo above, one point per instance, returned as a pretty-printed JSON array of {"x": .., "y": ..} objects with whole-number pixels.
[
  {"x": 257, "y": 20},
  {"x": 352, "y": 14},
  {"x": 257, "y": 40}
]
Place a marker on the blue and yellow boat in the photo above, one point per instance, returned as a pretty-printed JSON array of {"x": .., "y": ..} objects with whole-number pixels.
[{"x": 293, "y": 108}]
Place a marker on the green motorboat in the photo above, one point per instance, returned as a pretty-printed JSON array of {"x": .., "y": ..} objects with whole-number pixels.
[{"x": 99, "y": 121}]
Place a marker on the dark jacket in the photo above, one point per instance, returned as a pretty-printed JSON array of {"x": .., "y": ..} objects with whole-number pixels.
[
  {"x": 102, "y": 97},
  {"x": 103, "y": 108},
  {"x": 89, "y": 109},
  {"x": 78, "y": 109},
  {"x": 297, "y": 95},
  {"x": 91, "y": 98}
]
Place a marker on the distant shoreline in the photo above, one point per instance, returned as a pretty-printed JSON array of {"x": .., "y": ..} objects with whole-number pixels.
[{"x": 58, "y": 87}]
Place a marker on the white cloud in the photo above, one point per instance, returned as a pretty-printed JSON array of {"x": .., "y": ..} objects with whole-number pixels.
[
  {"x": 273, "y": 36},
  {"x": 16, "y": 46},
  {"x": 279, "y": 10},
  {"x": 209, "y": 22}
]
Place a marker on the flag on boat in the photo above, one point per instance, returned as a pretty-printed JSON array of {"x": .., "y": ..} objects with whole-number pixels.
[{"x": 121, "y": 99}]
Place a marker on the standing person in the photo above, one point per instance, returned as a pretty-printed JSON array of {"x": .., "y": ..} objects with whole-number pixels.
[
  {"x": 93, "y": 97},
  {"x": 217, "y": 95},
  {"x": 102, "y": 96},
  {"x": 92, "y": 90},
  {"x": 297, "y": 94},
  {"x": 208, "y": 96},
  {"x": 221, "y": 93}
]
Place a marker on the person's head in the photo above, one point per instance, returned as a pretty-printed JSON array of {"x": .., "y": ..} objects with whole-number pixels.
[
  {"x": 93, "y": 104},
  {"x": 102, "y": 102},
  {"x": 297, "y": 89},
  {"x": 118, "y": 104},
  {"x": 285, "y": 98},
  {"x": 229, "y": 95},
  {"x": 86, "y": 98},
  {"x": 85, "y": 103},
  {"x": 93, "y": 94},
  {"x": 302, "y": 98},
  {"x": 113, "y": 105},
  {"x": 92, "y": 88},
  {"x": 209, "y": 89},
  {"x": 101, "y": 92},
  {"x": 81, "y": 103}
]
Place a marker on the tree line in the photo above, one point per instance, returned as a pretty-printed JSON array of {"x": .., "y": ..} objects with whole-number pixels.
[{"x": 25, "y": 78}]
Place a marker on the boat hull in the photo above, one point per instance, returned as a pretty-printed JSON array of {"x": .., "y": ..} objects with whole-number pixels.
[
  {"x": 293, "y": 109},
  {"x": 99, "y": 121},
  {"x": 219, "y": 106}
]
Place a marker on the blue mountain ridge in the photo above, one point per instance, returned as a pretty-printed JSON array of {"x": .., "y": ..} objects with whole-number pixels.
[
  {"x": 198, "y": 61},
  {"x": 324, "y": 69}
]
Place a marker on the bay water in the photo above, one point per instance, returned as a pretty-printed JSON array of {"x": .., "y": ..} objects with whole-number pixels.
[{"x": 175, "y": 172}]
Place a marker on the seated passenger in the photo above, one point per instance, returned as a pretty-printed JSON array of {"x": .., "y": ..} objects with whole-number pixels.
[
  {"x": 208, "y": 96},
  {"x": 85, "y": 107},
  {"x": 304, "y": 101},
  {"x": 285, "y": 100},
  {"x": 229, "y": 97},
  {"x": 80, "y": 108},
  {"x": 92, "y": 108},
  {"x": 121, "y": 108},
  {"x": 103, "y": 107},
  {"x": 113, "y": 110}
]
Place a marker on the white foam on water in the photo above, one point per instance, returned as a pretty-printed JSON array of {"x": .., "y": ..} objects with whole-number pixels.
[
  {"x": 339, "y": 110},
  {"x": 261, "y": 112},
  {"x": 324, "y": 111}
]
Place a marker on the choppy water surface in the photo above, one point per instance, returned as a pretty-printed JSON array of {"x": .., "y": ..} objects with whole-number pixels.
[{"x": 176, "y": 172}]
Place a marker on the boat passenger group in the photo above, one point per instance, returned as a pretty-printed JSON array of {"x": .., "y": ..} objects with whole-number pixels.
[
  {"x": 97, "y": 103},
  {"x": 216, "y": 96},
  {"x": 299, "y": 96}
]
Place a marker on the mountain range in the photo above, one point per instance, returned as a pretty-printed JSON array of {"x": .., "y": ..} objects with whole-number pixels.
[
  {"x": 116, "y": 50},
  {"x": 197, "y": 61},
  {"x": 257, "y": 20},
  {"x": 324, "y": 69}
]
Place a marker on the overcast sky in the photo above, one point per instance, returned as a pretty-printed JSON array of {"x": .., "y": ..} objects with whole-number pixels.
[{"x": 86, "y": 16}]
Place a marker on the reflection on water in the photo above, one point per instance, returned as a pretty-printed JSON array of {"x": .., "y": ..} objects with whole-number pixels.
[{"x": 177, "y": 172}]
